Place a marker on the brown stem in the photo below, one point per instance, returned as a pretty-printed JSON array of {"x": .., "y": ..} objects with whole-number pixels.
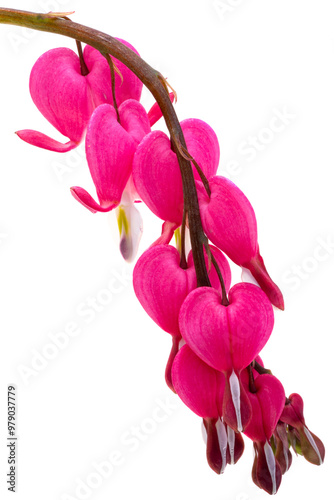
[
  {"x": 83, "y": 66},
  {"x": 260, "y": 369},
  {"x": 200, "y": 172},
  {"x": 183, "y": 259},
  {"x": 252, "y": 386},
  {"x": 225, "y": 301},
  {"x": 112, "y": 74},
  {"x": 153, "y": 80}
]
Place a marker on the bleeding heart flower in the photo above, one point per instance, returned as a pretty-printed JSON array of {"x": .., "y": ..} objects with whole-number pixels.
[
  {"x": 110, "y": 147},
  {"x": 67, "y": 98},
  {"x": 201, "y": 388},
  {"x": 156, "y": 172},
  {"x": 161, "y": 285},
  {"x": 229, "y": 221},
  {"x": 228, "y": 338},
  {"x": 302, "y": 439},
  {"x": 267, "y": 404}
]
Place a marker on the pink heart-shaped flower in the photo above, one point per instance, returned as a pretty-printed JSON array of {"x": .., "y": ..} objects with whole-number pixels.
[
  {"x": 229, "y": 222},
  {"x": 67, "y": 98},
  {"x": 227, "y": 338},
  {"x": 156, "y": 172},
  {"x": 267, "y": 405},
  {"x": 110, "y": 147}
]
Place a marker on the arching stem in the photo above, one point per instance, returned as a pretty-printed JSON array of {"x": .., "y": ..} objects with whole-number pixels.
[{"x": 153, "y": 80}]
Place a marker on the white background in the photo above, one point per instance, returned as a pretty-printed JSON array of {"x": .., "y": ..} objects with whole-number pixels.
[{"x": 233, "y": 63}]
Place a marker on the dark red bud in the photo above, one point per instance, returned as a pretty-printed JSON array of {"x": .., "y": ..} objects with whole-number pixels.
[
  {"x": 223, "y": 446},
  {"x": 282, "y": 453},
  {"x": 266, "y": 472}
]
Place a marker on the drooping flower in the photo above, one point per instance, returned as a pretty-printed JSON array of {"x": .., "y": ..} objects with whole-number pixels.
[
  {"x": 228, "y": 338},
  {"x": 156, "y": 172},
  {"x": 267, "y": 403},
  {"x": 302, "y": 439},
  {"x": 67, "y": 98},
  {"x": 229, "y": 221},
  {"x": 201, "y": 388},
  {"x": 282, "y": 452},
  {"x": 110, "y": 147},
  {"x": 161, "y": 285}
]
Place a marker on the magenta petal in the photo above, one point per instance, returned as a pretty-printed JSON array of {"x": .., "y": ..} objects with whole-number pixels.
[
  {"x": 257, "y": 268},
  {"x": 251, "y": 320},
  {"x": 61, "y": 93},
  {"x": 205, "y": 327},
  {"x": 199, "y": 386},
  {"x": 43, "y": 141},
  {"x": 87, "y": 201},
  {"x": 229, "y": 337},
  {"x": 167, "y": 233},
  {"x": 254, "y": 430},
  {"x": 228, "y": 219},
  {"x": 154, "y": 165},
  {"x": 134, "y": 119},
  {"x": 293, "y": 411},
  {"x": 202, "y": 144},
  {"x": 161, "y": 285},
  {"x": 267, "y": 404},
  {"x": 271, "y": 395},
  {"x": 109, "y": 150}
]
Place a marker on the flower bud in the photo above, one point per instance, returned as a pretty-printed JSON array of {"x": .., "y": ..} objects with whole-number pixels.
[{"x": 303, "y": 440}]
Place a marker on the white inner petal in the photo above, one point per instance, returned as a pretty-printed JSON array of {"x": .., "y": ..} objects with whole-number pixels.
[
  {"x": 222, "y": 440},
  {"x": 204, "y": 433},
  {"x": 270, "y": 458},
  {"x": 247, "y": 277},
  {"x": 235, "y": 391},
  {"x": 231, "y": 442},
  {"x": 313, "y": 443},
  {"x": 130, "y": 234},
  {"x": 286, "y": 458}
]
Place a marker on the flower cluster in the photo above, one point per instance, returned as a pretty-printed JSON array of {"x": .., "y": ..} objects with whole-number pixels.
[{"x": 217, "y": 331}]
